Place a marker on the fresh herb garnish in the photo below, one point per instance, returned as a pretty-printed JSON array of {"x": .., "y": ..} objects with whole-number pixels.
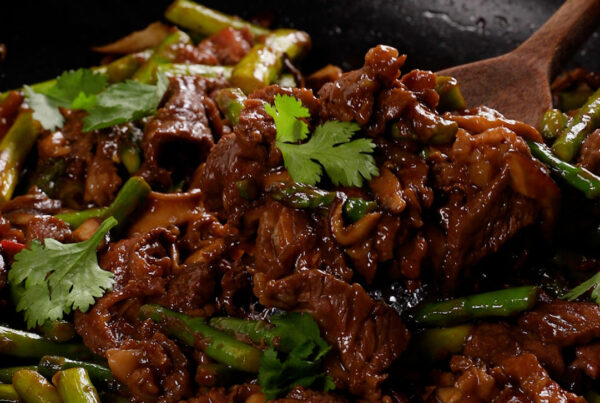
[
  {"x": 582, "y": 288},
  {"x": 297, "y": 358},
  {"x": 106, "y": 105},
  {"x": 58, "y": 278},
  {"x": 346, "y": 162}
]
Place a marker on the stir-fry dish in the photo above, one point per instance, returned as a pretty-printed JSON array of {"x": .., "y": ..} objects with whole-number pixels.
[{"x": 197, "y": 220}]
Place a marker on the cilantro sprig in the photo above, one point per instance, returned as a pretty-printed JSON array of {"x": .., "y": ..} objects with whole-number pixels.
[
  {"x": 296, "y": 359},
  {"x": 592, "y": 282},
  {"x": 55, "y": 278},
  {"x": 107, "y": 105},
  {"x": 346, "y": 162}
]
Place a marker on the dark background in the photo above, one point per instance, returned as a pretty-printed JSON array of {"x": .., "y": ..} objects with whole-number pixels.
[{"x": 44, "y": 38}]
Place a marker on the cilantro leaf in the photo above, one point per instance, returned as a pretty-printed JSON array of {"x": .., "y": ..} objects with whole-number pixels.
[
  {"x": 59, "y": 277},
  {"x": 124, "y": 102},
  {"x": 70, "y": 84},
  {"x": 45, "y": 109},
  {"x": 285, "y": 113},
  {"x": 296, "y": 334},
  {"x": 346, "y": 162},
  {"x": 582, "y": 288}
]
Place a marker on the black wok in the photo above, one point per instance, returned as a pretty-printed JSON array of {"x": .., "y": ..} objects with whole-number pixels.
[{"x": 45, "y": 38}]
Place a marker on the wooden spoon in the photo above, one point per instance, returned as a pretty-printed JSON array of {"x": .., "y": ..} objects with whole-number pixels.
[{"x": 518, "y": 83}]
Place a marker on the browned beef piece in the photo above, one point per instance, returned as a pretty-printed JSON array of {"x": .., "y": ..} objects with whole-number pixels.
[
  {"x": 46, "y": 226},
  {"x": 102, "y": 181},
  {"x": 535, "y": 382},
  {"x": 589, "y": 157},
  {"x": 367, "y": 336},
  {"x": 494, "y": 189},
  {"x": 190, "y": 289},
  {"x": 140, "y": 265},
  {"x": 234, "y": 394},
  {"x": 495, "y": 342},
  {"x": 154, "y": 369},
  {"x": 21, "y": 209},
  {"x": 283, "y": 235},
  {"x": 179, "y": 136},
  {"x": 228, "y": 46},
  {"x": 299, "y": 394},
  {"x": 352, "y": 97},
  {"x": 588, "y": 360},
  {"x": 563, "y": 323}
]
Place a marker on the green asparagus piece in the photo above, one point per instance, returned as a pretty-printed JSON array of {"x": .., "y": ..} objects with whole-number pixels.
[
  {"x": 553, "y": 123},
  {"x": 231, "y": 103},
  {"x": 180, "y": 69},
  {"x": 579, "y": 127},
  {"x": 505, "y": 302},
  {"x": 263, "y": 64},
  {"x": 258, "y": 331},
  {"x": 48, "y": 175},
  {"x": 9, "y": 394},
  {"x": 58, "y": 330},
  {"x": 18, "y": 343},
  {"x": 356, "y": 208},
  {"x": 576, "y": 176},
  {"x": 99, "y": 374},
  {"x": 299, "y": 195},
  {"x": 14, "y": 148},
  {"x": 126, "y": 66},
  {"x": 131, "y": 157},
  {"x": 438, "y": 343},
  {"x": 570, "y": 100},
  {"x": 164, "y": 52},
  {"x": 451, "y": 98},
  {"x": 131, "y": 196},
  {"x": 6, "y": 374},
  {"x": 206, "y": 21},
  {"x": 74, "y": 386},
  {"x": 218, "y": 345},
  {"x": 34, "y": 388}
]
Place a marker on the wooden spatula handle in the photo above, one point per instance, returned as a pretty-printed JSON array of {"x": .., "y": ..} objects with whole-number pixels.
[{"x": 561, "y": 35}]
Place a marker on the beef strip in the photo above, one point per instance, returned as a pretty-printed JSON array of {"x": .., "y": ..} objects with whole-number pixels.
[
  {"x": 563, "y": 323},
  {"x": 589, "y": 156},
  {"x": 180, "y": 129},
  {"x": 366, "y": 335}
]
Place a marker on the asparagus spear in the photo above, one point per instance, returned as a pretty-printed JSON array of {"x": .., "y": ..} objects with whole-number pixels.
[
  {"x": 129, "y": 199},
  {"x": 206, "y": 21},
  {"x": 58, "y": 330},
  {"x": 99, "y": 374},
  {"x": 34, "y": 388},
  {"x": 214, "y": 374},
  {"x": 14, "y": 148},
  {"x": 262, "y": 65},
  {"x": 570, "y": 100},
  {"x": 9, "y": 394},
  {"x": 164, "y": 52},
  {"x": 17, "y": 343},
  {"x": 505, "y": 302},
  {"x": 217, "y": 345},
  {"x": 299, "y": 195},
  {"x": 74, "y": 386},
  {"x": 231, "y": 103},
  {"x": 131, "y": 157},
  {"x": 6, "y": 374},
  {"x": 438, "y": 343},
  {"x": 258, "y": 331},
  {"x": 126, "y": 66},
  {"x": 576, "y": 176},
  {"x": 451, "y": 98},
  {"x": 579, "y": 127},
  {"x": 553, "y": 123},
  {"x": 180, "y": 69}
]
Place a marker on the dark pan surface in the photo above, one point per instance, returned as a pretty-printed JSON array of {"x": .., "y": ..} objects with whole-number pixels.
[{"x": 46, "y": 38}]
